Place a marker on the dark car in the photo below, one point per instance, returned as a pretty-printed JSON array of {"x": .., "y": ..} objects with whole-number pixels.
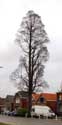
[{"x": 12, "y": 113}]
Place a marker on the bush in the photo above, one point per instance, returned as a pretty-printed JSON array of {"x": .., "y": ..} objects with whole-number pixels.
[{"x": 22, "y": 112}]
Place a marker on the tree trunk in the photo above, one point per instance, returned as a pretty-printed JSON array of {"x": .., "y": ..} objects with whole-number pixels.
[
  {"x": 30, "y": 77},
  {"x": 30, "y": 102}
]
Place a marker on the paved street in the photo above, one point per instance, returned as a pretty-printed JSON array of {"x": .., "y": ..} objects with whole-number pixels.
[{"x": 29, "y": 121}]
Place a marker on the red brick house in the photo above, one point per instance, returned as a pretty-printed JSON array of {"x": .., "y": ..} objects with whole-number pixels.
[
  {"x": 2, "y": 104},
  {"x": 9, "y": 102},
  {"x": 21, "y": 100},
  {"x": 54, "y": 101},
  {"x": 48, "y": 99}
]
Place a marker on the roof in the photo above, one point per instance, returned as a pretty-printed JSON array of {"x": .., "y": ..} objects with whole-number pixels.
[
  {"x": 35, "y": 96},
  {"x": 9, "y": 98},
  {"x": 47, "y": 96},
  {"x": 22, "y": 94},
  {"x": 60, "y": 92}
]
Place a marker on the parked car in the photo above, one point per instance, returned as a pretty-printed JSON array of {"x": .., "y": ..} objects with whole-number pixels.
[
  {"x": 12, "y": 113},
  {"x": 5, "y": 112},
  {"x": 42, "y": 111}
]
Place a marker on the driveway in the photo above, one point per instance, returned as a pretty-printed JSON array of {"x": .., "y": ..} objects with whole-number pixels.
[{"x": 28, "y": 121}]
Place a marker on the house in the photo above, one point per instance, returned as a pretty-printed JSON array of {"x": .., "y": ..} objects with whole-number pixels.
[
  {"x": 2, "y": 104},
  {"x": 21, "y": 99},
  {"x": 9, "y": 105},
  {"x": 49, "y": 99},
  {"x": 59, "y": 103}
]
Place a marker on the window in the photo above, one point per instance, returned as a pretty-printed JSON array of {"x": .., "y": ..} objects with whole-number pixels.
[
  {"x": 33, "y": 110},
  {"x": 50, "y": 111},
  {"x": 42, "y": 100},
  {"x": 17, "y": 100}
]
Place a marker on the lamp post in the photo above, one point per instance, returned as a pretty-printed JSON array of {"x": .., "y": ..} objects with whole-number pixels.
[{"x": 1, "y": 67}]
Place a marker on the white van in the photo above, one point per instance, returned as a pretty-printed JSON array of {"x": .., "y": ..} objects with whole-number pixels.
[{"x": 44, "y": 111}]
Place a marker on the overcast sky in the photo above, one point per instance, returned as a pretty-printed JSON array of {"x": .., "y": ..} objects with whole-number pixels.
[{"x": 11, "y": 14}]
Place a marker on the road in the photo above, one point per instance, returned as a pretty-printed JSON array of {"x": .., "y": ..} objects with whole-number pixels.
[{"x": 28, "y": 121}]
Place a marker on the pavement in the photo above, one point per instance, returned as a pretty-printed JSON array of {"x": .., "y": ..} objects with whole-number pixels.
[{"x": 29, "y": 121}]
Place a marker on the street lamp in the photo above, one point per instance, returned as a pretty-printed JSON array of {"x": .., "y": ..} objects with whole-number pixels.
[{"x": 1, "y": 67}]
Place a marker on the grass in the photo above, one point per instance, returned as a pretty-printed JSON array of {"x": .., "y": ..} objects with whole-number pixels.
[{"x": 3, "y": 124}]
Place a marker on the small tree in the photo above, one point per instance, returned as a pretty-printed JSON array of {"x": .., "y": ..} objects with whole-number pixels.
[{"x": 31, "y": 38}]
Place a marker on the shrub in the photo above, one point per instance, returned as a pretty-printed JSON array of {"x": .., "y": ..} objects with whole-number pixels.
[{"x": 22, "y": 112}]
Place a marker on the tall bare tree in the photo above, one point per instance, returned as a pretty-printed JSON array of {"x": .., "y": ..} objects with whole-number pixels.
[{"x": 32, "y": 39}]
